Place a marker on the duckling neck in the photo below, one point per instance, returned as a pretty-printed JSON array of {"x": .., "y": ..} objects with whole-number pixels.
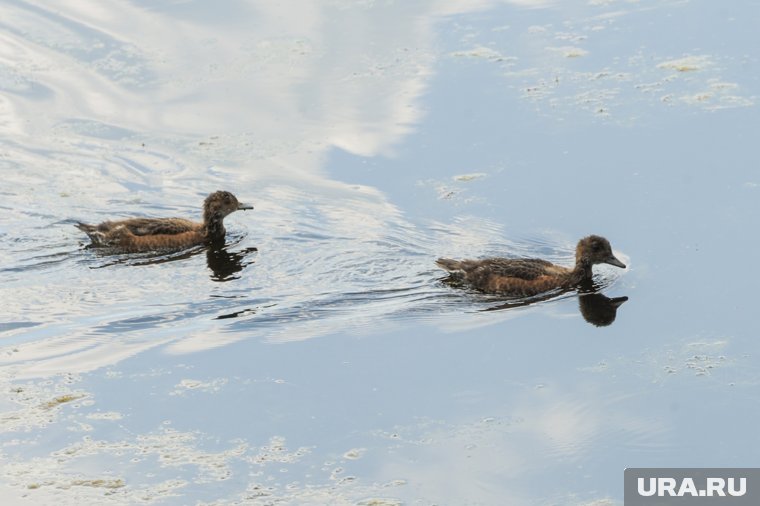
[
  {"x": 214, "y": 226},
  {"x": 582, "y": 272}
]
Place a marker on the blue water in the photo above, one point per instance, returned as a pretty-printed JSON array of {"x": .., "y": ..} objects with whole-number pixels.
[{"x": 318, "y": 358}]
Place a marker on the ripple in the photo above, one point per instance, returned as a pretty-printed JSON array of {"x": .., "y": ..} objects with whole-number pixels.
[
  {"x": 9, "y": 326},
  {"x": 341, "y": 275}
]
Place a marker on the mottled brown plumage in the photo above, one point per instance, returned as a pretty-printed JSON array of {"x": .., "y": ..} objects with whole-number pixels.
[
  {"x": 526, "y": 277},
  {"x": 146, "y": 234}
]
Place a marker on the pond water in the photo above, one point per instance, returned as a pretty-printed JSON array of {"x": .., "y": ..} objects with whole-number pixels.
[{"x": 317, "y": 358}]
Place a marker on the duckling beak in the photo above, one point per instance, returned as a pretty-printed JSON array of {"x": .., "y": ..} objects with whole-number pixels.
[
  {"x": 614, "y": 261},
  {"x": 616, "y": 302},
  {"x": 243, "y": 207}
]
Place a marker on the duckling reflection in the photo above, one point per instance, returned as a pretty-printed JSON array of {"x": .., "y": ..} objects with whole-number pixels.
[
  {"x": 595, "y": 307},
  {"x": 598, "y": 309},
  {"x": 150, "y": 258},
  {"x": 225, "y": 264}
]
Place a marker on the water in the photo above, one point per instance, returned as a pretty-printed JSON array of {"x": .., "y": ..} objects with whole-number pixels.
[{"x": 317, "y": 358}]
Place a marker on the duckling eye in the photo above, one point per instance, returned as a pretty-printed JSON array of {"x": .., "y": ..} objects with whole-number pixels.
[{"x": 596, "y": 246}]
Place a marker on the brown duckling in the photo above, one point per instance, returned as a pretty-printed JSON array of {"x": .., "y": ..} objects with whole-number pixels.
[
  {"x": 146, "y": 234},
  {"x": 526, "y": 277}
]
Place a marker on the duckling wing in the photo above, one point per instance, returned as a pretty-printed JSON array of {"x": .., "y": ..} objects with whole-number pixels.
[
  {"x": 521, "y": 268},
  {"x": 159, "y": 226}
]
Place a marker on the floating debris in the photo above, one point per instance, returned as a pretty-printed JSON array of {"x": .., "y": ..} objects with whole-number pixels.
[
  {"x": 686, "y": 64},
  {"x": 379, "y": 502},
  {"x": 62, "y": 399},
  {"x": 469, "y": 177},
  {"x": 569, "y": 51},
  {"x": 355, "y": 453},
  {"x": 482, "y": 52}
]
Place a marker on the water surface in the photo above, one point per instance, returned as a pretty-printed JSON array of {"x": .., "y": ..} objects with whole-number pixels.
[{"x": 317, "y": 358}]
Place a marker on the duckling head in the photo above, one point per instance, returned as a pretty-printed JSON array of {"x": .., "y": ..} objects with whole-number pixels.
[
  {"x": 221, "y": 203},
  {"x": 596, "y": 250}
]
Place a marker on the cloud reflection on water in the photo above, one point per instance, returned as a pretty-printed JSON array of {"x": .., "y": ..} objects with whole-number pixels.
[
  {"x": 278, "y": 85},
  {"x": 253, "y": 95}
]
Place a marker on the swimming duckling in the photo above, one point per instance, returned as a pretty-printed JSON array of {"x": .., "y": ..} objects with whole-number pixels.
[
  {"x": 526, "y": 277},
  {"x": 146, "y": 234}
]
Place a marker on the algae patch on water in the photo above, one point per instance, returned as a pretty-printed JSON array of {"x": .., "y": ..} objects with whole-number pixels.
[
  {"x": 469, "y": 177},
  {"x": 62, "y": 399},
  {"x": 569, "y": 51},
  {"x": 355, "y": 453},
  {"x": 686, "y": 64},
  {"x": 97, "y": 483}
]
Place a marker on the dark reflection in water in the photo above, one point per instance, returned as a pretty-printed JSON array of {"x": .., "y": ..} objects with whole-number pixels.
[
  {"x": 237, "y": 314},
  {"x": 598, "y": 309},
  {"x": 595, "y": 307},
  {"x": 226, "y": 264},
  {"x": 141, "y": 259}
]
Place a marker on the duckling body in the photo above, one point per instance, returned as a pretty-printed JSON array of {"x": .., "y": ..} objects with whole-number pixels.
[
  {"x": 526, "y": 277},
  {"x": 146, "y": 234}
]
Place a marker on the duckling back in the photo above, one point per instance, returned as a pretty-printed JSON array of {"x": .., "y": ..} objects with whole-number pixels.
[
  {"x": 450, "y": 265},
  {"x": 521, "y": 277},
  {"x": 143, "y": 234}
]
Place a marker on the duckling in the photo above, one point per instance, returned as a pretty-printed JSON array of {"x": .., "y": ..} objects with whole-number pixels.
[
  {"x": 146, "y": 234},
  {"x": 526, "y": 277}
]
